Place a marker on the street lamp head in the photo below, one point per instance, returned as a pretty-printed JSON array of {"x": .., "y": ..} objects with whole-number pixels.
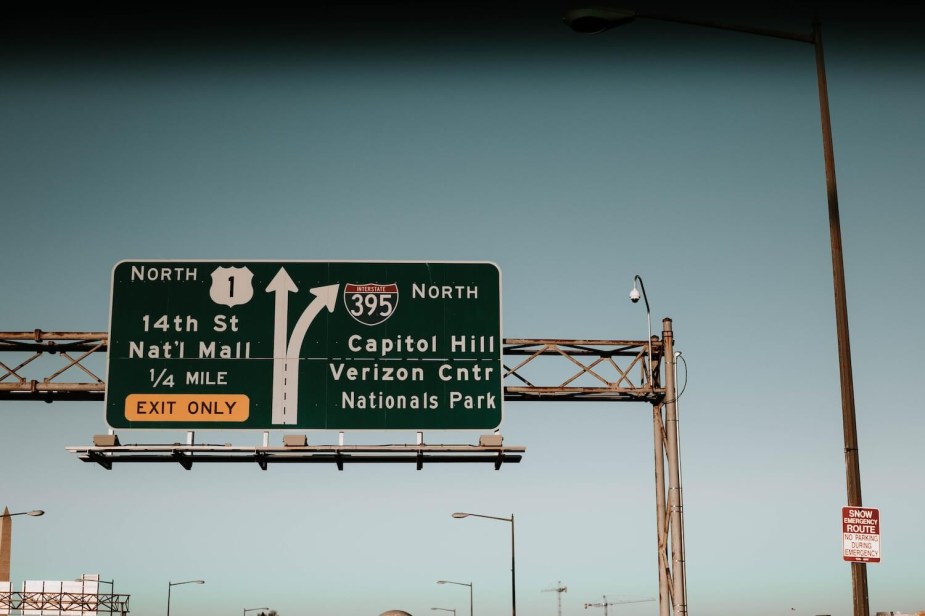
[
  {"x": 594, "y": 19},
  {"x": 634, "y": 294},
  {"x": 459, "y": 515},
  {"x": 186, "y": 582},
  {"x": 34, "y": 513}
]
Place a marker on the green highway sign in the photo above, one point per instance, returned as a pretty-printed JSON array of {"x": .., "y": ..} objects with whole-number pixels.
[{"x": 337, "y": 345}]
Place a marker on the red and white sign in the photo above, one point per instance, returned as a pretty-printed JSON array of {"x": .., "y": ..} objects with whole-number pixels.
[{"x": 861, "y": 534}]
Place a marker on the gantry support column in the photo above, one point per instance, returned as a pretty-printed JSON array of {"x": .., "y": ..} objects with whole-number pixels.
[
  {"x": 675, "y": 500},
  {"x": 661, "y": 519},
  {"x": 668, "y": 505}
]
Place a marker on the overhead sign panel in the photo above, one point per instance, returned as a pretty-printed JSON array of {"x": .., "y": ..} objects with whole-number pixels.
[
  {"x": 861, "y": 534},
  {"x": 305, "y": 344}
]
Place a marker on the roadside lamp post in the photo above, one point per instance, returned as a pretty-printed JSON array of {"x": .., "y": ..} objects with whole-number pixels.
[
  {"x": 461, "y": 584},
  {"x": 172, "y": 584},
  {"x": 666, "y": 443},
  {"x": 598, "y": 19},
  {"x": 634, "y": 297},
  {"x": 460, "y": 515}
]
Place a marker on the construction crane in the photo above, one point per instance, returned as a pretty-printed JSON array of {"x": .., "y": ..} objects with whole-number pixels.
[
  {"x": 606, "y": 603},
  {"x": 559, "y": 589}
]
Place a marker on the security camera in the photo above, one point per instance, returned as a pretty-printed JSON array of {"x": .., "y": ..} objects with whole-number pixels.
[{"x": 634, "y": 295}]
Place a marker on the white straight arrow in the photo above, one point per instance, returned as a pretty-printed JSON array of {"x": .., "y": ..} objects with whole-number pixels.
[{"x": 282, "y": 286}]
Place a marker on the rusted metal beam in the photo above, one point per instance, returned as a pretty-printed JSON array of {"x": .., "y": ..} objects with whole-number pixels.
[
  {"x": 582, "y": 370},
  {"x": 541, "y": 369},
  {"x": 42, "y": 362},
  {"x": 38, "y": 335}
]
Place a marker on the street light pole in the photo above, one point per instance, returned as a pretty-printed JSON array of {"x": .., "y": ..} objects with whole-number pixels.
[
  {"x": 668, "y": 508},
  {"x": 461, "y": 584},
  {"x": 460, "y": 515},
  {"x": 254, "y": 609},
  {"x": 592, "y": 20},
  {"x": 172, "y": 584},
  {"x": 634, "y": 297},
  {"x": 849, "y": 418}
]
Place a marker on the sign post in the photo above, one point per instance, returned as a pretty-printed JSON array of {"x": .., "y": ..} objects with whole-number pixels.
[
  {"x": 319, "y": 345},
  {"x": 861, "y": 534}
]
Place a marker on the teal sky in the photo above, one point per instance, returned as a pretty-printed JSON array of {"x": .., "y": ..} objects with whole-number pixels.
[{"x": 688, "y": 156}]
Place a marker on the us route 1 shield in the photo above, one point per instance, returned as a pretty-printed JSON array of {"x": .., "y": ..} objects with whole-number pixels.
[{"x": 304, "y": 344}]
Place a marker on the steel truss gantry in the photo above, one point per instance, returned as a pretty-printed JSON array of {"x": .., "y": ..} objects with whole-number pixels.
[
  {"x": 535, "y": 370},
  {"x": 73, "y": 352},
  {"x": 64, "y": 603}
]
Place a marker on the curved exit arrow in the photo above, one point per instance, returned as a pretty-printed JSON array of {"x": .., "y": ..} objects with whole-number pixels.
[
  {"x": 325, "y": 297},
  {"x": 286, "y": 354}
]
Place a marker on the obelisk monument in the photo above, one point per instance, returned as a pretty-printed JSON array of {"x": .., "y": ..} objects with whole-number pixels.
[{"x": 6, "y": 537}]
